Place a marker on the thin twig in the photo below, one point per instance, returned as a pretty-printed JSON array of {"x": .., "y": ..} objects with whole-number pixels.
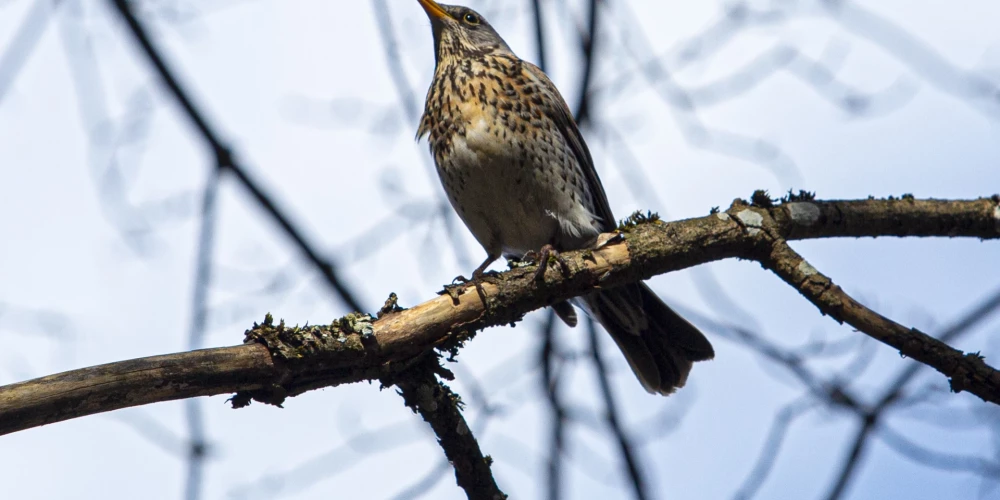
[
  {"x": 780, "y": 426},
  {"x": 589, "y": 44},
  {"x": 20, "y": 47},
  {"x": 539, "y": 24},
  {"x": 197, "y": 440},
  {"x": 557, "y": 409},
  {"x": 852, "y": 460},
  {"x": 224, "y": 157},
  {"x": 894, "y": 395},
  {"x": 628, "y": 452}
]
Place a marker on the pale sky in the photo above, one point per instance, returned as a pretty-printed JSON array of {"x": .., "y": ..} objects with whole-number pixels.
[{"x": 97, "y": 267}]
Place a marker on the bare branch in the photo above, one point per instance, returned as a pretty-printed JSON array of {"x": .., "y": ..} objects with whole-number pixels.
[
  {"x": 552, "y": 384},
  {"x": 853, "y": 459},
  {"x": 224, "y": 157},
  {"x": 539, "y": 28},
  {"x": 970, "y": 87},
  {"x": 780, "y": 426},
  {"x": 894, "y": 397},
  {"x": 624, "y": 441},
  {"x": 197, "y": 440},
  {"x": 440, "y": 407},
  {"x": 24, "y": 42},
  {"x": 967, "y": 371},
  {"x": 589, "y": 45},
  {"x": 132, "y": 383},
  {"x": 358, "y": 347}
]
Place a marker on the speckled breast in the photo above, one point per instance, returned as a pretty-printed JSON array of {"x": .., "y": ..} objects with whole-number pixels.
[{"x": 508, "y": 171}]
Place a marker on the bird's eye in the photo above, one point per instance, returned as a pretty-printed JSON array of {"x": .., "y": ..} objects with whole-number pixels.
[{"x": 471, "y": 18}]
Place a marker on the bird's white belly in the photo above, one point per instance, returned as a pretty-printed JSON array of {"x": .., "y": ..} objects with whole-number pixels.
[{"x": 512, "y": 201}]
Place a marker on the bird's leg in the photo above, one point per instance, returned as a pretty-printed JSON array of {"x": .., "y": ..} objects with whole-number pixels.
[
  {"x": 477, "y": 276},
  {"x": 547, "y": 252},
  {"x": 479, "y": 272}
]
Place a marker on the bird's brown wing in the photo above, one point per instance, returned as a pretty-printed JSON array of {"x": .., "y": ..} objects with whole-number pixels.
[{"x": 556, "y": 109}]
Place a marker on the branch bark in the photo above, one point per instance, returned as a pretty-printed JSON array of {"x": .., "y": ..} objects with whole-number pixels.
[
  {"x": 440, "y": 407},
  {"x": 279, "y": 361}
]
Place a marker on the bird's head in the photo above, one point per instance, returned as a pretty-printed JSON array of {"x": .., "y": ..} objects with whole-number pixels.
[{"x": 461, "y": 32}]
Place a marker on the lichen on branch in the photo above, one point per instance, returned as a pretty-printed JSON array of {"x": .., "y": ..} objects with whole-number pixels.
[{"x": 281, "y": 361}]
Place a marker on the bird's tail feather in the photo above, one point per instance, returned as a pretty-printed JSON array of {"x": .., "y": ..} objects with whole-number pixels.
[{"x": 660, "y": 346}]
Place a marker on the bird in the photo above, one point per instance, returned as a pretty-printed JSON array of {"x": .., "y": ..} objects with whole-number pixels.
[{"x": 516, "y": 168}]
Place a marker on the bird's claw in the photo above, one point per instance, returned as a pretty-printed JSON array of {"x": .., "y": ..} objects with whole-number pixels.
[
  {"x": 547, "y": 253},
  {"x": 454, "y": 289},
  {"x": 477, "y": 280}
]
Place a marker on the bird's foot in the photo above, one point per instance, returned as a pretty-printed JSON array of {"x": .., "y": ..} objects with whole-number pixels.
[
  {"x": 547, "y": 253},
  {"x": 515, "y": 262},
  {"x": 454, "y": 289},
  {"x": 477, "y": 280}
]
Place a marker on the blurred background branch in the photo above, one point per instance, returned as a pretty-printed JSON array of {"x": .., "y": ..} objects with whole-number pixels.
[{"x": 684, "y": 106}]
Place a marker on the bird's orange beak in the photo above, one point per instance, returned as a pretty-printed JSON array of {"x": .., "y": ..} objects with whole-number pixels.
[{"x": 433, "y": 10}]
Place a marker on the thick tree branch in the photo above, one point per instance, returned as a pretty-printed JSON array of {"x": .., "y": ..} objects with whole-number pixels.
[
  {"x": 282, "y": 361},
  {"x": 135, "y": 382}
]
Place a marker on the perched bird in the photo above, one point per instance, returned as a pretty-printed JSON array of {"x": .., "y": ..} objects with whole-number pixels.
[{"x": 517, "y": 170}]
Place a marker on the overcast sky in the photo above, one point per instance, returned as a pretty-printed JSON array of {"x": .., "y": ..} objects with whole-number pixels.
[{"x": 102, "y": 178}]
